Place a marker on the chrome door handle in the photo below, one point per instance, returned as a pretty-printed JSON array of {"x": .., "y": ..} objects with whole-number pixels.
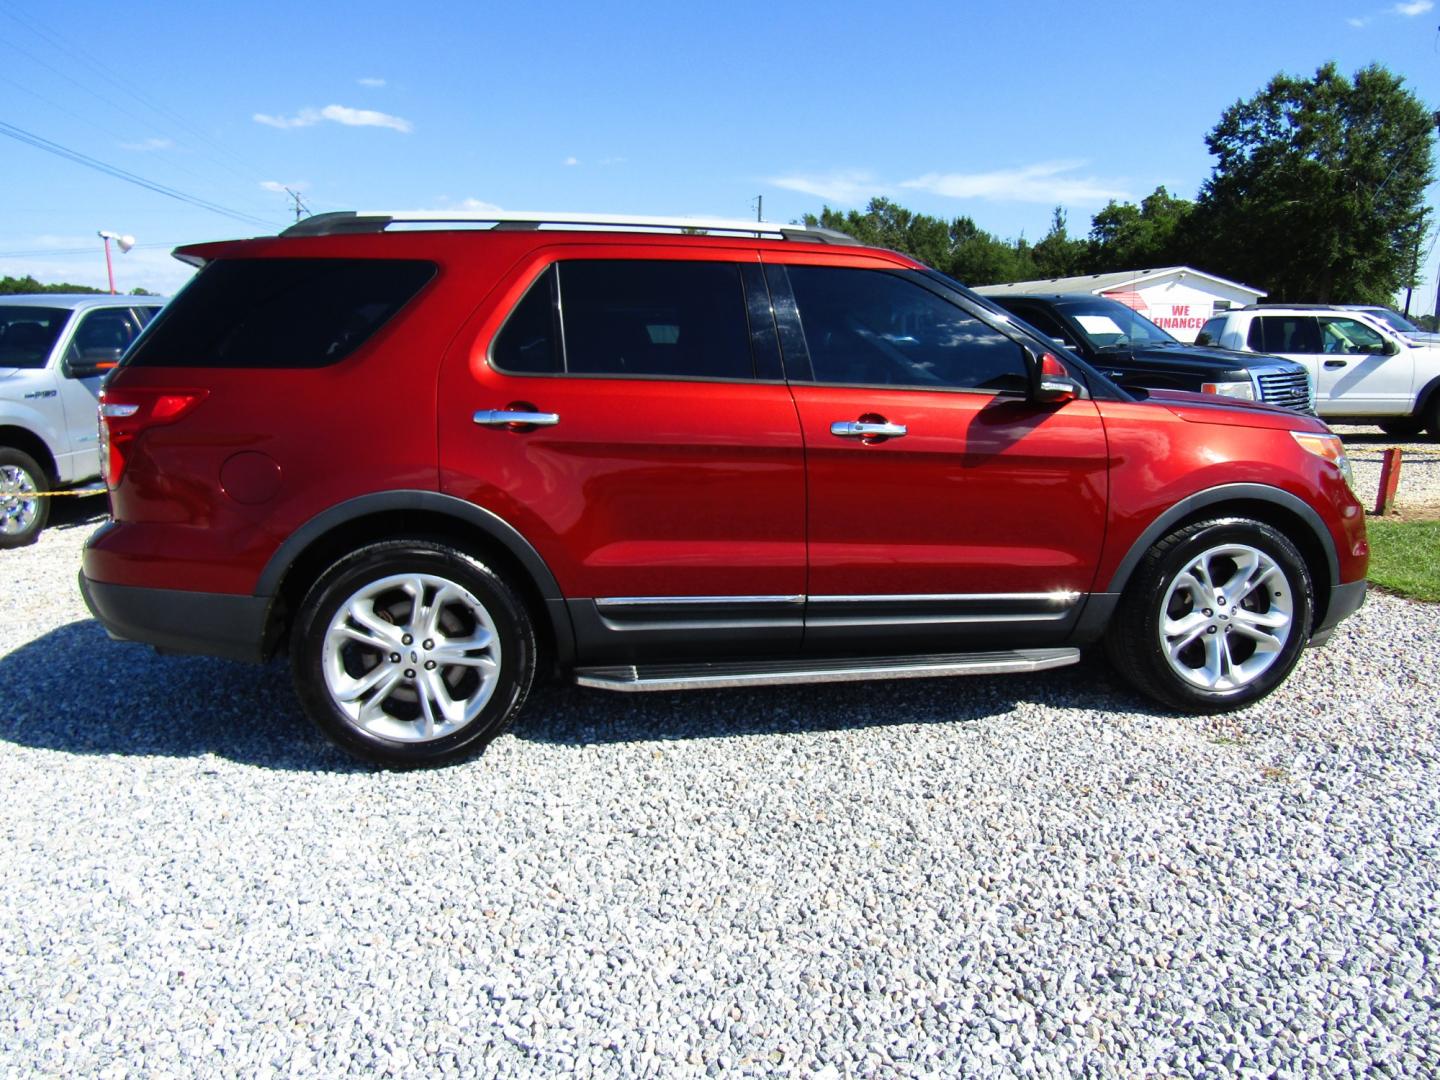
[
  {"x": 504, "y": 417},
  {"x": 863, "y": 429}
]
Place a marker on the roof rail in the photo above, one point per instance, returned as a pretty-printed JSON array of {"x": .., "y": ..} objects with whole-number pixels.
[{"x": 341, "y": 222}]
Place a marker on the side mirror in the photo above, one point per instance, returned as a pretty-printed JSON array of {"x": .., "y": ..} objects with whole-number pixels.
[
  {"x": 86, "y": 363},
  {"x": 1392, "y": 347},
  {"x": 1050, "y": 381}
]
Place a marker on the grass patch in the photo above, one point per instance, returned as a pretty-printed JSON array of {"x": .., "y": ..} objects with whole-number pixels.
[{"x": 1405, "y": 557}]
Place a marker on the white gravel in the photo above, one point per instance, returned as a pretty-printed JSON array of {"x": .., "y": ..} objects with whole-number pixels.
[
  {"x": 1419, "y": 486},
  {"x": 1024, "y": 875}
]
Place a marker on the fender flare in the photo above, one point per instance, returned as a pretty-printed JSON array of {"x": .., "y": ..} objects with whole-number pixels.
[
  {"x": 1216, "y": 496},
  {"x": 492, "y": 525}
]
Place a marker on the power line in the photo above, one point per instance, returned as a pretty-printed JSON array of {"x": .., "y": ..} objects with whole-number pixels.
[
  {"x": 41, "y": 143},
  {"x": 104, "y": 71},
  {"x": 39, "y": 253}
]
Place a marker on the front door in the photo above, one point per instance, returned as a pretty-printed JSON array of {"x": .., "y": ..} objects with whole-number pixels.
[{"x": 957, "y": 513}]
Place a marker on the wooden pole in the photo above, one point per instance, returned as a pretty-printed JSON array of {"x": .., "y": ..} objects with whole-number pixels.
[{"x": 1389, "y": 480}]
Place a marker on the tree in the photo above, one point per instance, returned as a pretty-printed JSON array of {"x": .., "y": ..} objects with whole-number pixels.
[
  {"x": 1317, "y": 191},
  {"x": 1056, "y": 255},
  {"x": 959, "y": 247},
  {"x": 1124, "y": 236},
  {"x": 13, "y": 286}
]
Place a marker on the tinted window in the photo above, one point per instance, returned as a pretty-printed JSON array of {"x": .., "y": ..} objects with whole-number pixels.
[
  {"x": 1042, "y": 320},
  {"x": 870, "y": 327},
  {"x": 101, "y": 339},
  {"x": 275, "y": 313},
  {"x": 1210, "y": 333},
  {"x": 1285, "y": 334},
  {"x": 529, "y": 343},
  {"x": 27, "y": 334},
  {"x": 658, "y": 318}
]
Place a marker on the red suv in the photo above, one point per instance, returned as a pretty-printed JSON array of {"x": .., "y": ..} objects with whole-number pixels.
[{"x": 433, "y": 459}]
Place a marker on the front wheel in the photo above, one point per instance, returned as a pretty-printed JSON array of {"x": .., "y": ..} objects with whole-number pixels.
[
  {"x": 23, "y": 512},
  {"x": 1214, "y": 617},
  {"x": 411, "y": 653},
  {"x": 1402, "y": 427}
]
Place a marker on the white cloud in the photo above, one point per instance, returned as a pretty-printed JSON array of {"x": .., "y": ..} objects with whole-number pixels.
[
  {"x": 148, "y": 144},
  {"x": 478, "y": 206},
  {"x": 281, "y": 189},
  {"x": 371, "y": 82},
  {"x": 849, "y": 188},
  {"x": 1044, "y": 182},
  {"x": 339, "y": 114},
  {"x": 1415, "y": 7},
  {"x": 1359, "y": 24},
  {"x": 571, "y": 161}
]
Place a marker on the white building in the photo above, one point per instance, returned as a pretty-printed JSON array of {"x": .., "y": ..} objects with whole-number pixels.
[{"x": 1178, "y": 298}]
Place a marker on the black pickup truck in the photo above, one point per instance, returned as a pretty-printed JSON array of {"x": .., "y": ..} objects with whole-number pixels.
[{"x": 1136, "y": 353}]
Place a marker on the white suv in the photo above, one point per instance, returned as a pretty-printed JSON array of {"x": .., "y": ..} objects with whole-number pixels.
[
  {"x": 54, "y": 350},
  {"x": 1363, "y": 371}
]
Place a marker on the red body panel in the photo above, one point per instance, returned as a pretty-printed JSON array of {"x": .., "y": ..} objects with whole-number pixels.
[{"x": 984, "y": 494}]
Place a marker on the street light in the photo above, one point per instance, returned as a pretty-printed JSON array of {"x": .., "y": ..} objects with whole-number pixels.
[{"x": 124, "y": 243}]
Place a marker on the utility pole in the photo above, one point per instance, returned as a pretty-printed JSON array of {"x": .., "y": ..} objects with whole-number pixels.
[
  {"x": 299, "y": 206},
  {"x": 759, "y": 207}
]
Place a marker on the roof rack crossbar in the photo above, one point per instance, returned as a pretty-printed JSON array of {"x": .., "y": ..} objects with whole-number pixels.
[{"x": 370, "y": 221}]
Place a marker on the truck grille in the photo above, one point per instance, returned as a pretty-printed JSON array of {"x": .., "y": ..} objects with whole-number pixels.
[{"x": 1288, "y": 389}]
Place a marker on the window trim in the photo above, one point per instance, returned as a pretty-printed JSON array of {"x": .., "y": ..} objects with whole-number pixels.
[
  {"x": 787, "y": 315},
  {"x": 552, "y": 263}
]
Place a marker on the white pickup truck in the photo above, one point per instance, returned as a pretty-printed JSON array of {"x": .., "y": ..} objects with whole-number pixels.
[
  {"x": 54, "y": 350},
  {"x": 1364, "y": 372}
]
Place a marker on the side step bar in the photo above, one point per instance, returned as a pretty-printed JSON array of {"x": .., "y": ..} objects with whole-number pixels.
[{"x": 632, "y": 678}]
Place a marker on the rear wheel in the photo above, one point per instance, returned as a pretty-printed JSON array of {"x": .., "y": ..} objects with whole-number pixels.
[
  {"x": 23, "y": 513},
  {"x": 411, "y": 653},
  {"x": 1214, "y": 617},
  {"x": 1432, "y": 414}
]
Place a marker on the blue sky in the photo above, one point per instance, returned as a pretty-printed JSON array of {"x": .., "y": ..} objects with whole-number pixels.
[{"x": 998, "y": 111}]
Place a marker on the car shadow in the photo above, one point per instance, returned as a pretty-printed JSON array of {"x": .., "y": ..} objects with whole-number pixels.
[
  {"x": 75, "y": 691},
  {"x": 79, "y": 511}
]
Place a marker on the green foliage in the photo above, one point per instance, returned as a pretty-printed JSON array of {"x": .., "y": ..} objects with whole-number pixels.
[
  {"x": 1405, "y": 557},
  {"x": 1056, "y": 255},
  {"x": 12, "y": 286},
  {"x": 1124, "y": 236},
  {"x": 959, "y": 247},
  {"x": 1317, "y": 192}
]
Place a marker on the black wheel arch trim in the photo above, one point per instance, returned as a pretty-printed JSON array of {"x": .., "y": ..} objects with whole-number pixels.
[
  {"x": 1219, "y": 496},
  {"x": 1423, "y": 399},
  {"x": 492, "y": 525}
]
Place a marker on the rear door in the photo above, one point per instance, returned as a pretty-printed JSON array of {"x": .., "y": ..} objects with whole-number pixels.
[
  {"x": 979, "y": 517},
  {"x": 662, "y": 478}
]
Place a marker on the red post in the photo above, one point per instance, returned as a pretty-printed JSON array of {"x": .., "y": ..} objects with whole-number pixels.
[
  {"x": 1389, "y": 480},
  {"x": 109, "y": 270}
]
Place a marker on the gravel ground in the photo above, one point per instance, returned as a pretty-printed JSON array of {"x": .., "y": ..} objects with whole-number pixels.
[
  {"x": 1023, "y": 875},
  {"x": 1419, "y": 488}
]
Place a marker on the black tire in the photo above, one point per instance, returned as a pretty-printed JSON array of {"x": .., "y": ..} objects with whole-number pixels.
[
  {"x": 1205, "y": 630},
  {"x": 421, "y": 707},
  {"x": 1432, "y": 415},
  {"x": 21, "y": 519},
  {"x": 1402, "y": 426}
]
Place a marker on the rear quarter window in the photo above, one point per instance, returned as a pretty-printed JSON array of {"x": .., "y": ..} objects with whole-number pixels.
[{"x": 279, "y": 313}]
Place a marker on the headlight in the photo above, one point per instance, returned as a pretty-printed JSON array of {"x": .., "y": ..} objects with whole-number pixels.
[
  {"x": 1244, "y": 389},
  {"x": 1328, "y": 447}
]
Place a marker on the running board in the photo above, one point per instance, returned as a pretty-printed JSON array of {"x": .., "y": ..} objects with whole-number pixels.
[{"x": 633, "y": 678}]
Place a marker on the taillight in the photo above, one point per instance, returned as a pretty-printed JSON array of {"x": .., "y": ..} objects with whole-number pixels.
[{"x": 124, "y": 414}]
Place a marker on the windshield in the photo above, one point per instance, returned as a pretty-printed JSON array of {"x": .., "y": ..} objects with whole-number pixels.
[
  {"x": 1109, "y": 324},
  {"x": 27, "y": 334},
  {"x": 1394, "y": 320}
]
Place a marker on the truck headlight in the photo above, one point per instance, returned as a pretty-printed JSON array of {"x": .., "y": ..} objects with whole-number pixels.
[
  {"x": 1245, "y": 389},
  {"x": 1328, "y": 447}
]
